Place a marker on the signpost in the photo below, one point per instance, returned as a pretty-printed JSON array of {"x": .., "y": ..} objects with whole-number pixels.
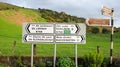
[
  {"x": 98, "y": 22},
  {"x": 109, "y": 12},
  {"x": 54, "y": 33},
  {"x": 48, "y": 33}
]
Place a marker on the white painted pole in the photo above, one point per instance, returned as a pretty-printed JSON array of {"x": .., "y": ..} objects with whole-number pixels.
[
  {"x": 54, "y": 55},
  {"x": 111, "y": 38},
  {"x": 76, "y": 61},
  {"x": 32, "y": 55}
]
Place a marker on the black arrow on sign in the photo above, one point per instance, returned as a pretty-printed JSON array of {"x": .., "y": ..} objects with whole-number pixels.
[
  {"x": 78, "y": 28},
  {"x": 25, "y": 36},
  {"x": 27, "y": 28}
]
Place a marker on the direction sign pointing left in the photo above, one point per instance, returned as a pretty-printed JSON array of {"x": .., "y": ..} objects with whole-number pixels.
[
  {"x": 40, "y": 28},
  {"x": 38, "y": 38}
]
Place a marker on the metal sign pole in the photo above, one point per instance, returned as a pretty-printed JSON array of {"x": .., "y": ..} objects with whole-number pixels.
[
  {"x": 111, "y": 38},
  {"x": 54, "y": 55},
  {"x": 32, "y": 55},
  {"x": 76, "y": 61}
]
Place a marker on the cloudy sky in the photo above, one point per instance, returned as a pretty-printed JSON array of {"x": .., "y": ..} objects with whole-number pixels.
[{"x": 80, "y": 8}]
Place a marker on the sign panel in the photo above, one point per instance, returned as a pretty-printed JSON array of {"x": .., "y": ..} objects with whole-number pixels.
[
  {"x": 38, "y": 38},
  {"x": 69, "y": 39},
  {"x": 98, "y": 22},
  {"x": 39, "y": 28},
  {"x": 67, "y": 29},
  {"x": 54, "y": 33},
  {"x": 107, "y": 11}
]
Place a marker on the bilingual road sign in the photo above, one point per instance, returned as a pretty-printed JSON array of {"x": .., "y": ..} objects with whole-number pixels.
[
  {"x": 39, "y": 28},
  {"x": 69, "y": 39},
  {"x": 98, "y": 22},
  {"x": 54, "y": 33},
  {"x": 67, "y": 29},
  {"x": 31, "y": 38}
]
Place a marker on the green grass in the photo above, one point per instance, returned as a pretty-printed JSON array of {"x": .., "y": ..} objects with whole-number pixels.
[{"x": 10, "y": 32}]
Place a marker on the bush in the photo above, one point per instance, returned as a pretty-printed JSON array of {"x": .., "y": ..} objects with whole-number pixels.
[
  {"x": 42, "y": 64},
  {"x": 93, "y": 60},
  {"x": 105, "y": 62},
  {"x": 95, "y": 30},
  {"x": 104, "y": 30},
  {"x": 117, "y": 62},
  {"x": 49, "y": 64},
  {"x": 17, "y": 62},
  {"x": 65, "y": 62}
]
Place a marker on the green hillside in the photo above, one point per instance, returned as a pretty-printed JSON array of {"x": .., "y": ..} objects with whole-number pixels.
[{"x": 12, "y": 17}]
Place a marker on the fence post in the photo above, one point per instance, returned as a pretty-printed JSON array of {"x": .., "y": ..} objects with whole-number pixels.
[
  {"x": 34, "y": 49},
  {"x": 13, "y": 48},
  {"x": 98, "y": 49}
]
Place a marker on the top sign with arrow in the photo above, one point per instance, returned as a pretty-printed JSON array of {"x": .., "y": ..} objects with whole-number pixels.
[
  {"x": 67, "y": 29},
  {"x": 39, "y": 28}
]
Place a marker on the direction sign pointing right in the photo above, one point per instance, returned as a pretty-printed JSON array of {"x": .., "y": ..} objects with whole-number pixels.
[
  {"x": 69, "y": 39},
  {"x": 67, "y": 29}
]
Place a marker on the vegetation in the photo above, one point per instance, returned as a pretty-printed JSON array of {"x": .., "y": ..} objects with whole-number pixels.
[
  {"x": 95, "y": 30},
  {"x": 65, "y": 62},
  {"x": 93, "y": 60},
  {"x": 104, "y": 30},
  {"x": 53, "y": 16},
  {"x": 11, "y": 31},
  {"x": 42, "y": 64},
  {"x": 6, "y": 6}
]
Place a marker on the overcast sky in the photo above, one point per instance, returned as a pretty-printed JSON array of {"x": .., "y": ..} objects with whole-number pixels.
[{"x": 80, "y": 8}]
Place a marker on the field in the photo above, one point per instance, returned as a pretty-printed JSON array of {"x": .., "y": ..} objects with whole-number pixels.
[{"x": 11, "y": 32}]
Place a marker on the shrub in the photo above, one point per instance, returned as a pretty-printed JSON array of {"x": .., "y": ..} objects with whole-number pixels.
[
  {"x": 95, "y": 30},
  {"x": 104, "y": 30},
  {"x": 42, "y": 64},
  {"x": 49, "y": 64},
  {"x": 17, "y": 62},
  {"x": 93, "y": 60},
  {"x": 65, "y": 62},
  {"x": 117, "y": 62},
  {"x": 105, "y": 62}
]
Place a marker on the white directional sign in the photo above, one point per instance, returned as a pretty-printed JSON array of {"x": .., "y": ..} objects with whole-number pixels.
[
  {"x": 69, "y": 39},
  {"x": 39, "y": 28},
  {"x": 67, "y": 29},
  {"x": 38, "y": 38},
  {"x": 54, "y": 33},
  {"x": 107, "y": 11}
]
